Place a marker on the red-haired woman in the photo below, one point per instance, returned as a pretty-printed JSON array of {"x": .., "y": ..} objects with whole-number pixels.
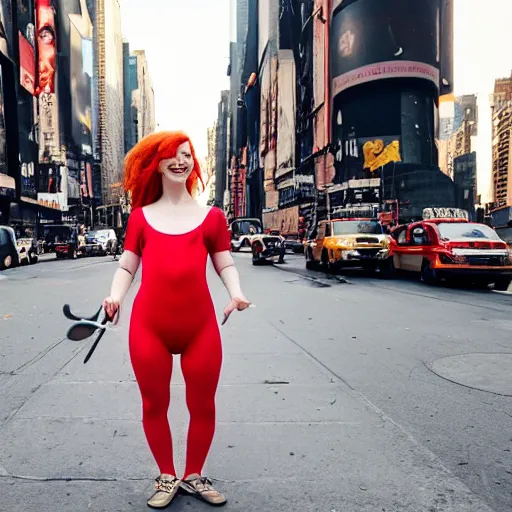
[{"x": 173, "y": 312}]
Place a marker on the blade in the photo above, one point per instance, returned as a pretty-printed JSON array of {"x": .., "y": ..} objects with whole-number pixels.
[
  {"x": 82, "y": 330},
  {"x": 95, "y": 344},
  {"x": 67, "y": 313}
]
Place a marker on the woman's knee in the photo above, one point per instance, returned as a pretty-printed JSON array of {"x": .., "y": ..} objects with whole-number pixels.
[{"x": 154, "y": 405}]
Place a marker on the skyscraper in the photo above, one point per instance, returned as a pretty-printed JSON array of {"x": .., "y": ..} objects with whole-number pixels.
[
  {"x": 109, "y": 69},
  {"x": 501, "y": 105}
]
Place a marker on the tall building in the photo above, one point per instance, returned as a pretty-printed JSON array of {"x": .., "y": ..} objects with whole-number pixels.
[
  {"x": 144, "y": 97},
  {"x": 130, "y": 86},
  {"x": 109, "y": 68},
  {"x": 222, "y": 149},
  {"x": 211, "y": 160},
  {"x": 386, "y": 79},
  {"x": 501, "y": 105},
  {"x": 459, "y": 128}
]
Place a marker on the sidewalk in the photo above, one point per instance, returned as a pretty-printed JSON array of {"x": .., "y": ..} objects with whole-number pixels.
[{"x": 291, "y": 435}]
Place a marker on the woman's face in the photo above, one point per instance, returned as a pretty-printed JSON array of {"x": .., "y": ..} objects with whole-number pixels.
[{"x": 178, "y": 169}]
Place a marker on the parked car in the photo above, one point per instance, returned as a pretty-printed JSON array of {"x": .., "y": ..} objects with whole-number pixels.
[
  {"x": 243, "y": 231},
  {"x": 9, "y": 257},
  {"x": 267, "y": 247},
  {"x": 27, "y": 251},
  {"x": 453, "y": 249},
  {"x": 342, "y": 243},
  {"x": 105, "y": 239}
]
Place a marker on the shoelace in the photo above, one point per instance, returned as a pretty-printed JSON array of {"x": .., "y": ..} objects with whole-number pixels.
[
  {"x": 205, "y": 483},
  {"x": 165, "y": 485}
]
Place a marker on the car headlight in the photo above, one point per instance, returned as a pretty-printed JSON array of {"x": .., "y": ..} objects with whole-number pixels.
[{"x": 345, "y": 243}]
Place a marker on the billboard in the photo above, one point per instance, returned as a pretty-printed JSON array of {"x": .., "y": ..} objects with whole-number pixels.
[
  {"x": 81, "y": 64},
  {"x": 27, "y": 64},
  {"x": 46, "y": 46},
  {"x": 286, "y": 113},
  {"x": 373, "y": 40},
  {"x": 49, "y": 143}
]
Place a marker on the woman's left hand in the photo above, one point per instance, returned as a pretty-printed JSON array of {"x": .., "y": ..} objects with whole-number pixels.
[{"x": 236, "y": 303}]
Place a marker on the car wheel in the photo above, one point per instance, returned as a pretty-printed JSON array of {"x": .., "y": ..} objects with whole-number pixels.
[
  {"x": 256, "y": 254},
  {"x": 387, "y": 269},
  {"x": 429, "y": 275},
  {"x": 502, "y": 285},
  {"x": 310, "y": 263},
  {"x": 326, "y": 265},
  {"x": 8, "y": 261}
]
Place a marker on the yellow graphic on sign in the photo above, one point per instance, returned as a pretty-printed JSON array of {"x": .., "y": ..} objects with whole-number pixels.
[{"x": 376, "y": 155}]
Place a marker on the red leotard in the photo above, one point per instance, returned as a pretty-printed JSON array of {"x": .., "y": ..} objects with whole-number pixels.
[{"x": 173, "y": 313}]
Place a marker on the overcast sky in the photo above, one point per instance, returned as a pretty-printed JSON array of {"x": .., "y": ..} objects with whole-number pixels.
[{"x": 187, "y": 46}]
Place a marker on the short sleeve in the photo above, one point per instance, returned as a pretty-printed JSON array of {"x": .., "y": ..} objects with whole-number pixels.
[
  {"x": 217, "y": 236},
  {"x": 133, "y": 240}
]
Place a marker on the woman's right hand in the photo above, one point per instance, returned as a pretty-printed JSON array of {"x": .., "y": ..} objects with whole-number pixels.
[{"x": 111, "y": 306}]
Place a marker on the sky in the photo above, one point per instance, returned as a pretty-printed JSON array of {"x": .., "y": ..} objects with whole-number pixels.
[
  {"x": 187, "y": 47},
  {"x": 482, "y": 53}
]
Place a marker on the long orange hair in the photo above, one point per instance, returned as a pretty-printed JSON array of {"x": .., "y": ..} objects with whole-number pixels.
[{"x": 141, "y": 176}]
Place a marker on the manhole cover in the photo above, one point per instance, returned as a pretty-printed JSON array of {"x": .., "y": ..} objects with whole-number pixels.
[{"x": 485, "y": 372}]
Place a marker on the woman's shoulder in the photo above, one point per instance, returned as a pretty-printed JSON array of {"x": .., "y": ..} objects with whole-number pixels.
[
  {"x": 217, "y": 215},
  {"x": 136, "y": 216}
]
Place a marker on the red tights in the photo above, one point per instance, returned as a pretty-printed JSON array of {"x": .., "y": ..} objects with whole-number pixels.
[{"x": 201, "y": 361}]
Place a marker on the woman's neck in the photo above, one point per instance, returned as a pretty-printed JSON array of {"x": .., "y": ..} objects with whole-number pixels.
[{"x": 174, "y": 193}]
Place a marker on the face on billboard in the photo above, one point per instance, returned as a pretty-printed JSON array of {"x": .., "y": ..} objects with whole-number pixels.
[
  {"x": 372, "y": 39},
  {"x": 47, "y": 49}
]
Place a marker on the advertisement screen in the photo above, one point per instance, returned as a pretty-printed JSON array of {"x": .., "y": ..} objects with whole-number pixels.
[
  {"x": 46, "y": 46},
  {"x": 27, "y": 65},
  {"x": 81, "y": 57},
  {"x": 372, "y": 40}
]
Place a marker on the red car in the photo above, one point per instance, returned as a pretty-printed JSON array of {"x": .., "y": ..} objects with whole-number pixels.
[{"x": 447, "y": 248}]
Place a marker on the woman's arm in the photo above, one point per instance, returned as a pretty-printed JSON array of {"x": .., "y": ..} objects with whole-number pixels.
[
  {"x": 225, "y": 268},
  {"x": 123, "y": 278}
]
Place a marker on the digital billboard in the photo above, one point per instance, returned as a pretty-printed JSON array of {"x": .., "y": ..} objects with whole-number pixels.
[
  {"x": 46, "y": 46},
  {"x": 373, "y": 40},
  {"x": 49, "y": 143},
  {"x": 27, "y": 64},
  {"x": 81, "y": 63}
]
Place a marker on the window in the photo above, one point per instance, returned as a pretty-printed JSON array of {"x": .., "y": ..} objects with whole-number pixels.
[
  {"x": 356, "y": 227},
  {"x": 463, "y": 230},
  {"x": 401, "y": 237},
  {"x": 419, "y": 236}
]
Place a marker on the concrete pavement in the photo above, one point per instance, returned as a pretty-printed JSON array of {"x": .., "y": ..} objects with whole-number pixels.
[{"x": 293, "y": 433}]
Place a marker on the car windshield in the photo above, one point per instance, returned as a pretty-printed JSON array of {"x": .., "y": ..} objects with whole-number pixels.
[
  {"x": 458, "y": 231},
  {"x": 99, "y": 234},
  {"x": 356, "y": 227},
  {"x": 247, "y": 226}
]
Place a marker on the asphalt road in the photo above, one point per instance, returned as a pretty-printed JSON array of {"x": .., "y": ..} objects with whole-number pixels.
[{"x": 364, "y": 395}]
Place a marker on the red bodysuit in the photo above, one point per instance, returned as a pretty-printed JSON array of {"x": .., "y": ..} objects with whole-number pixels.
[{"x": 173, "y": 313}]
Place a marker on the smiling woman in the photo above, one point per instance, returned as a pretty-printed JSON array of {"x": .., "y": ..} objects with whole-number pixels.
[
  {"x": 145, "y": 163},
  {"x": 173, "y": 312}
]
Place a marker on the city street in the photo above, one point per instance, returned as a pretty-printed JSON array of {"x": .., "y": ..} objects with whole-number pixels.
[{"x": 337, "y": 395}]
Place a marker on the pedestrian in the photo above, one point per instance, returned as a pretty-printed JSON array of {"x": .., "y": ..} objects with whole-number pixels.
[{"x": 173, "y": 312}]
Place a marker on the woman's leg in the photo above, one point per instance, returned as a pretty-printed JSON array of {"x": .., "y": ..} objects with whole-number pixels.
[
  {"x": 201, "y": 363},
  {"x": 152, "y": 364}
]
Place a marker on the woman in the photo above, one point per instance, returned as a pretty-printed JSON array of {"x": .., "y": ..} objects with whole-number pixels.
[{"x": 173, "y": 312}]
